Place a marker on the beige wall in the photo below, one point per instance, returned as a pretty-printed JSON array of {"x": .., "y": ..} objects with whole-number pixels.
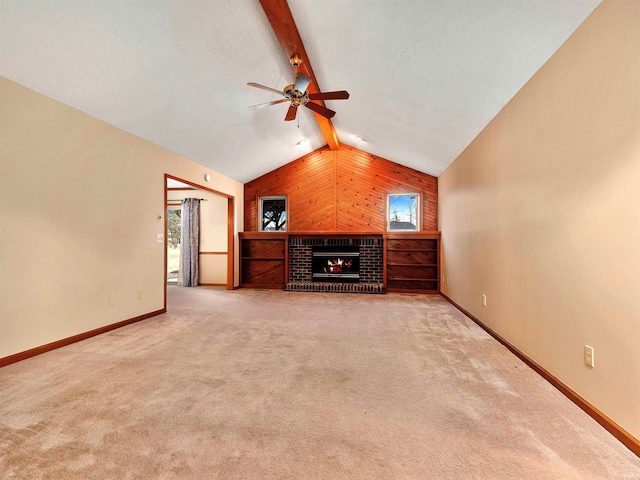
[
  {"x": 79, "y": 201},
  {"x": 213, "y": 233},
  {"x": 542, "y": 213}
]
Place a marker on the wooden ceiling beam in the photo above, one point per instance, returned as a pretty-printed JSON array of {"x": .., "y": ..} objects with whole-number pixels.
[{"x": 281, "y": 20}]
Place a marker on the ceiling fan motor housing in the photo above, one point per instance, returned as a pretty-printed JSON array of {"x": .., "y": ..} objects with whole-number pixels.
[{"x": 297, "y": 97}]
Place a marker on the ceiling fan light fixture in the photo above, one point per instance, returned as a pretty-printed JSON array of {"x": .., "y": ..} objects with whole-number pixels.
[{"x": 359, "y": 139}]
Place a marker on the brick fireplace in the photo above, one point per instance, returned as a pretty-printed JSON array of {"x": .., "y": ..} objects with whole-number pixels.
[{"x": 370, "y": 258}]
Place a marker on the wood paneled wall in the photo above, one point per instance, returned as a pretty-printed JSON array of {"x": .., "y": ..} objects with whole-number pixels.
[{"x": 341, "y": 190}]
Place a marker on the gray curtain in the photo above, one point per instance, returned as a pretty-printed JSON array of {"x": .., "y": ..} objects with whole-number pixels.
[{"x": 190, "y": 241}]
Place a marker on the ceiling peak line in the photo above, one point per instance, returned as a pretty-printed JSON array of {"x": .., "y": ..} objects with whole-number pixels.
[{"x": 286, "y": 31}]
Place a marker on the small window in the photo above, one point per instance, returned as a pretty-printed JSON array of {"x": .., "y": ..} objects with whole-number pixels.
[
  {"x": 273, "y": 214},
  {"x": 403, "y": 212}
]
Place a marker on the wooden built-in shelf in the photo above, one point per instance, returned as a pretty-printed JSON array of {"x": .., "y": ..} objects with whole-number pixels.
[
  {"x": 411, "y": 250},
  {"x": 414, "y": 264},
  {"x": 263, "y": 259},
  {"x": 406, "y": 279},
  {"x": 411, "y": 262}
]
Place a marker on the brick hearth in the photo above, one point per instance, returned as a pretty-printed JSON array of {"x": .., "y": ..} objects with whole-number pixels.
[{"x": 371, "y": 265}]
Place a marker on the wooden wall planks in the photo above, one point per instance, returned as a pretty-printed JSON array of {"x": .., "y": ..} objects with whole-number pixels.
[{"x": 343, "y": 190}]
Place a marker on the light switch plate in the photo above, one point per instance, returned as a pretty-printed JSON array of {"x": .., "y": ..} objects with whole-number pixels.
[
  {"x": 589, "y": 358},
  {"x": 160, "y": 238}
]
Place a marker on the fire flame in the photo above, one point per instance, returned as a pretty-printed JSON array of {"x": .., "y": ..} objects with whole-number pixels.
[{"x": 336, "y": 265}]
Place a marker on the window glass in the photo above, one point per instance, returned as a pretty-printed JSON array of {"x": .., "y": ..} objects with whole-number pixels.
[
  {"x": 273, "y": 214},
  {"x": 403, "y": 212}
]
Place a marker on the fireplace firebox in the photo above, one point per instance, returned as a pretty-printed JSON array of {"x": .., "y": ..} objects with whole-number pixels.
[{"x": 335, "y": 264}]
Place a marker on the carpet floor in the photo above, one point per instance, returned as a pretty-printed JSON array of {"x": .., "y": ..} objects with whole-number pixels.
[{"x": 253, "y": 384}]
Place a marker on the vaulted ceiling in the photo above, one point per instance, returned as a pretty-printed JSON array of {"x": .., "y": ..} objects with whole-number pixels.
[{"x": 425, "y": 76}]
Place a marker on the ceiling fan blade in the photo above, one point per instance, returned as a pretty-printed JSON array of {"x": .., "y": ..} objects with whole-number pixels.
[
  {"x": 268, "y": 89},
  {"x": 302, "y": 82},
  {"x": 291, "y": 113},
  {"x": 319, "y": 109},
  {"x": 266, "y": 104},
  {"x": 340, "y": 95}
]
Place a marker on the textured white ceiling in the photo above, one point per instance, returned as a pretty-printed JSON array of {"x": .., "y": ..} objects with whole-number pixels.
[{"x": 425, "y": 76}]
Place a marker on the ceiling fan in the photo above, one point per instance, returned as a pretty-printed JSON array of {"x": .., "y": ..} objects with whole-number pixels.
[{"x": 298, "y": 96}]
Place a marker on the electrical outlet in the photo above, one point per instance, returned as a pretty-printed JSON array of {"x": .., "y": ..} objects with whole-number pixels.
[
  {"x": 589, "y": 358},
  {"x": 140, "y": 294},
  {"x": 112, "y": 299},
  {"x": 484, "y": 300}
]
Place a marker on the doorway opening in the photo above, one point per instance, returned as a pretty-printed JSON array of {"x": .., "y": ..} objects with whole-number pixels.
[
  {"x": 174, "y": 241},
  {"x": 217, "y": 229}
]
